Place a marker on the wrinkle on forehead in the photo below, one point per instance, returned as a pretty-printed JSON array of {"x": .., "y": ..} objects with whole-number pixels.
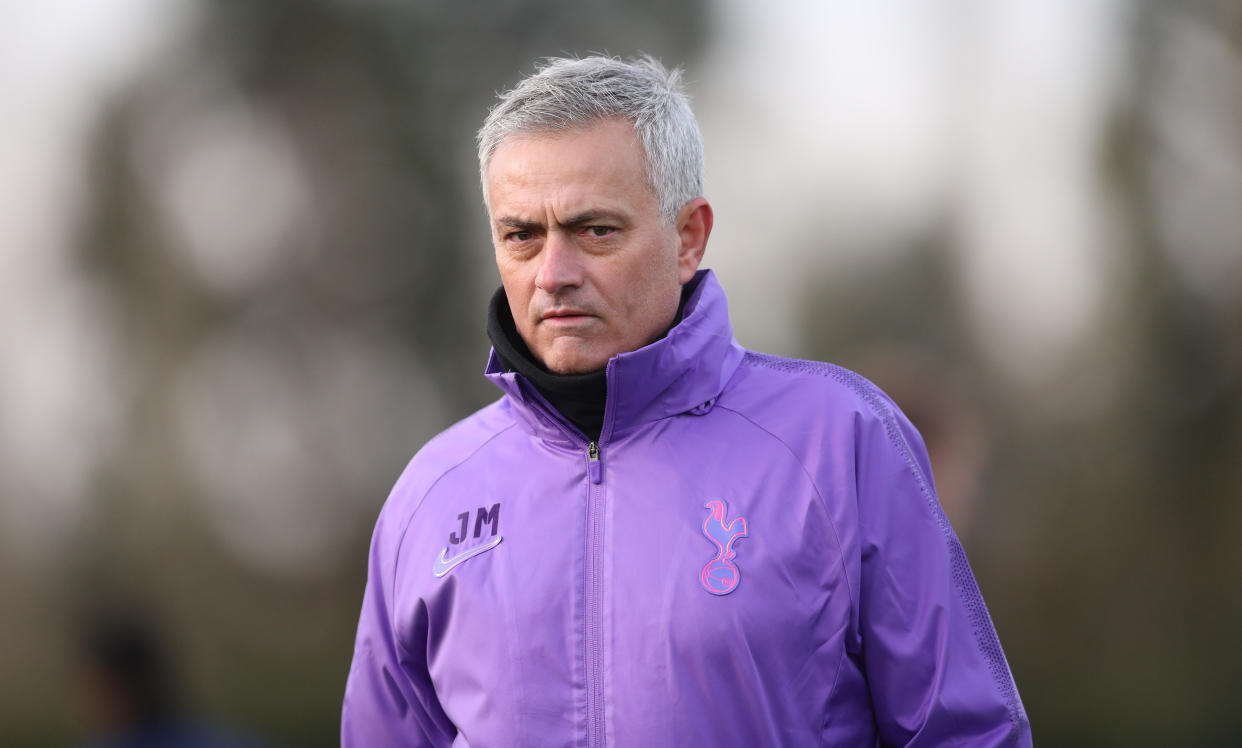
[{"x": 554, "y": 176}]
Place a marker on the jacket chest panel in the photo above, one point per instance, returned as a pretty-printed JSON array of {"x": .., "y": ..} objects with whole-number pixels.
[
  {"x": 774, "y": 620},
  {"x": 503, "y": 605}
]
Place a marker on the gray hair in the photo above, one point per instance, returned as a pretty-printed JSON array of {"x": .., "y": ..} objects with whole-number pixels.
[{"x": 566, "y": 94}]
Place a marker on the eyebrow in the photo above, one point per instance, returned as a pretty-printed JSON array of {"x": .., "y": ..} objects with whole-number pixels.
[
  {"x": 517, "y": 223},
  {"x": 574, "y": 221}
]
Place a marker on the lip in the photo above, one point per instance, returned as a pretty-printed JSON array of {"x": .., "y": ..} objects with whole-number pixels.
[{"x": 564, "y": 315}]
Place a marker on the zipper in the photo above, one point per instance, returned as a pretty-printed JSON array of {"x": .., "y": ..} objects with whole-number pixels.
[
  {"x": 594, "y": 581},
  {"x": 594, "y": 600},
  {"x": 593, "y": 466},
  {"x": 594, "y": 575}
]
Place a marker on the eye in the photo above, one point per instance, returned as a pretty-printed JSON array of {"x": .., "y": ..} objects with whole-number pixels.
[
  {"x": 600, "y": 231},
  {"x": 518, "y": 236}
]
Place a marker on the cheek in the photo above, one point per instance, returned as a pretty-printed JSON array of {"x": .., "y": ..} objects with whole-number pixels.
[
  {"x": 660, "y": 271},
  {"x": 509, "y": 270},
  {"x": 655, "y": 297}
]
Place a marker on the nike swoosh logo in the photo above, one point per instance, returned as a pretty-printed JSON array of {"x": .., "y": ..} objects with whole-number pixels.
[{"x": 443, "y": 565}]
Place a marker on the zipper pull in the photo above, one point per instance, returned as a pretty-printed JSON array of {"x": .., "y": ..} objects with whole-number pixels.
[{"x": 593, "y": 465}]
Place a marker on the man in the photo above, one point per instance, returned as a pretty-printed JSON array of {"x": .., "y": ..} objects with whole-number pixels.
[{"x": 656, "y": 537}]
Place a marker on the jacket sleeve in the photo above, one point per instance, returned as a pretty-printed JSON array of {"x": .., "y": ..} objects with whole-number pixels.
[
  {"x": 933, "y": 663},
  {"x": 389, "y": 697}
]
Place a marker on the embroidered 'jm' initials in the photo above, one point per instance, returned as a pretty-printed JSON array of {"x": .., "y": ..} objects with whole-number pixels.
[{"x": 484, "y": 516}]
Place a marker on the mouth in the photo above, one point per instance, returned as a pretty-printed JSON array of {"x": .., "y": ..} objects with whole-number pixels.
[{"x": 564, "y": 315}]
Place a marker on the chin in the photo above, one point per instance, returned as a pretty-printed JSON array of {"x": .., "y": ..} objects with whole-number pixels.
[
  {"x": 577, "y": 367},
  {"x": 574, "y": 363}
]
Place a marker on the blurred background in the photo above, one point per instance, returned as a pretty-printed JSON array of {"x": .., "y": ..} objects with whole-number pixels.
[{"x": 244, "y": 265}]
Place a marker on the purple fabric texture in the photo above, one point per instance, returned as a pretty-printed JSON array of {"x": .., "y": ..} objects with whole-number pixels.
[{"x": 526, "y": 587}]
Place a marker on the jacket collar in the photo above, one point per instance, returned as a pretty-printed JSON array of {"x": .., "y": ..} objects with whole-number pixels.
[{"x": 682, "y": 372}]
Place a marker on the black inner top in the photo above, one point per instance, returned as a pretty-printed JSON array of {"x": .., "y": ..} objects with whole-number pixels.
[{"x": 577, "y": 397}]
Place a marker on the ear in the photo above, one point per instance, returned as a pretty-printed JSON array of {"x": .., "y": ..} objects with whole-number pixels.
[{"x": 694, "y": 225}]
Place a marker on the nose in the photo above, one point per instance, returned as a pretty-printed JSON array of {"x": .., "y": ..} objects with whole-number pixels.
[{"x": 560, "y": 265}]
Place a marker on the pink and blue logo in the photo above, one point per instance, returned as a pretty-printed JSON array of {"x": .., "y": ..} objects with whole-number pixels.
[{"x": 720, "y": 576}]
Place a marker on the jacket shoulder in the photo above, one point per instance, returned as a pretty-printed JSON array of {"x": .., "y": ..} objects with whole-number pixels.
[
  {"x": 803, "y": 401},
  {"x": 816, "y": 387},
  {"x": 443, "y": 453}
]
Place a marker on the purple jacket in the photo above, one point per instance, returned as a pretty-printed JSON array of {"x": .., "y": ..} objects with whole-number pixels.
[{"x": 752, "y": 555}]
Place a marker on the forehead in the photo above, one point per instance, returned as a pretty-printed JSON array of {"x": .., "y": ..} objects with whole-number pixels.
[{"x": 569, "y": 170}]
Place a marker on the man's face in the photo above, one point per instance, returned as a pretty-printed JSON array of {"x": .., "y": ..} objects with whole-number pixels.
[{"x": 590, "y": 267}]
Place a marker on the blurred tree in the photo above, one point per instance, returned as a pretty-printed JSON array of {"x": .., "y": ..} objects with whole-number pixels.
[
  {"x": 1107, "y": 545},
  {"x": 285, "y": 217}
]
